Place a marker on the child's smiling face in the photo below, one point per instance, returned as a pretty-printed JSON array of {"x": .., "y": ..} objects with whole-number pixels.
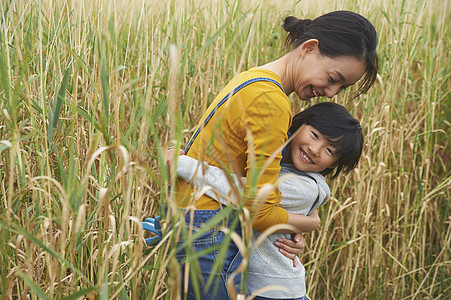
[{"x": 311, "y": 151}]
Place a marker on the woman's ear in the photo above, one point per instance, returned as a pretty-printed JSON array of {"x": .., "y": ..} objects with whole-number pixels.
[{"x": 310, "y": 46}]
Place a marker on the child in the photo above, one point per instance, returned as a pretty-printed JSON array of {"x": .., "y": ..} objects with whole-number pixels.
[{"x": 328, "y": 140}]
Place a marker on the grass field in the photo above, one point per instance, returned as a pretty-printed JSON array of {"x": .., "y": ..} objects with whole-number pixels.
[{"x": 92, "y": 92}]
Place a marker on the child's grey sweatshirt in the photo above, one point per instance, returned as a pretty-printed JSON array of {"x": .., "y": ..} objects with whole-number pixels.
[{"x": 301, "y": 194}]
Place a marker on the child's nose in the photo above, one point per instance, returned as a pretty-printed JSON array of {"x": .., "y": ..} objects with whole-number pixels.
[{"x": 314, "y": 149}]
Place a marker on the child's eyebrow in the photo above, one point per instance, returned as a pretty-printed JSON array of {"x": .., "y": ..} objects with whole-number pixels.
[{"x": 335, "y": 142}]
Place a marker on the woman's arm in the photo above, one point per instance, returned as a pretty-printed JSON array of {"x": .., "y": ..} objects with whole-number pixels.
[{"x": 304, "y": 223}]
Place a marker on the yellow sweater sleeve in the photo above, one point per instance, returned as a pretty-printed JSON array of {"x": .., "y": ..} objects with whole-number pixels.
[{"x": 266, "y": 122}]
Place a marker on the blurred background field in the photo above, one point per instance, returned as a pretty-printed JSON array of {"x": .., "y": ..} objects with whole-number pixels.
[{"x": 85, "y": 116}]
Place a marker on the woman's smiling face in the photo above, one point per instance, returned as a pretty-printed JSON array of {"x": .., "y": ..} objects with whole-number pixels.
[{"x": 316, "y": 75}]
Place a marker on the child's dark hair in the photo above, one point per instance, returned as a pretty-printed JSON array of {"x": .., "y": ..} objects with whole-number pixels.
[
  {"x": 340, "y": 33},
  {"x": 341, "y": 129}
]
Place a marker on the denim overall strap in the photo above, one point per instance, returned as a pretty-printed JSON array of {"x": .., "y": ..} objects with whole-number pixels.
[{"x": 229, "y": 95}]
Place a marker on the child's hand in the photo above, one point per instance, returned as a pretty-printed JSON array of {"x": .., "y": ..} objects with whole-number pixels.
[
  {"x": 170, "y": 156},
  {"x": 291, "y": 248}
]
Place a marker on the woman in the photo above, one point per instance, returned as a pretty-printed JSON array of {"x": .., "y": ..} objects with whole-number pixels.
[{"x": 248, "y": 122}]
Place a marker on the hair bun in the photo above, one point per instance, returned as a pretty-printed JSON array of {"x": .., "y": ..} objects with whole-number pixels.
[
  {"x": 295, "y": 27},
  {"x": 302, "y": 24}
]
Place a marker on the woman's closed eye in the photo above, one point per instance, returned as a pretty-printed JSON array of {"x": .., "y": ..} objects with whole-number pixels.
[
  {"x": 333, "y": 81},
  {"x": 315, "y": 135}
]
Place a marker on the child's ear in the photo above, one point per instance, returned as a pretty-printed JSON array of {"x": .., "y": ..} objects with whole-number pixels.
[
  {"x": 330, "y": 169},
  {"x": 334, "y": 165}
]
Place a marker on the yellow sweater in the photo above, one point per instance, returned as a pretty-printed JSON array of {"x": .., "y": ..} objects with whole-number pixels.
[{"x": 253, "y": 122}]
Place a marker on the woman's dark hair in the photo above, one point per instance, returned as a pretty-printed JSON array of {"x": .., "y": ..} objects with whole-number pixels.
[
  {"x": 341, "y": 129},
  {"x": 340, "y": 33}
]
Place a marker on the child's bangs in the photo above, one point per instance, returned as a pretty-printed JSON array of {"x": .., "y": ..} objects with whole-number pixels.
[{"x": 342, "y": 138}]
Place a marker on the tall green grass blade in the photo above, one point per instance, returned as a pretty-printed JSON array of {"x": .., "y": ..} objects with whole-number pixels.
[
  {"x": 52, "y": 252},
  {"x": 103, "y": 295},
  {"x": 104, "y": 79},
  {"x": 60, "y": 96},
  {"x": 210, "y": 41},
  {"x": 5, "y": 259},
  {"x": 34, "y": 287},
  {"x": 4, "y": 8},
  {"x": 4, "y": 73},
  {"x": 54, "y": 114},
  {"x": 111, "y": 30},
  {"x": 5, "y": 82},
  {"x": 80, "y": 293}
]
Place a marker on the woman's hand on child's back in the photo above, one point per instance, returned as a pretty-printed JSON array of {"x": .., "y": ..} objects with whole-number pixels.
[
  {"x": 291, "y": 248},
  {"x": 295, "y": 246}
]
